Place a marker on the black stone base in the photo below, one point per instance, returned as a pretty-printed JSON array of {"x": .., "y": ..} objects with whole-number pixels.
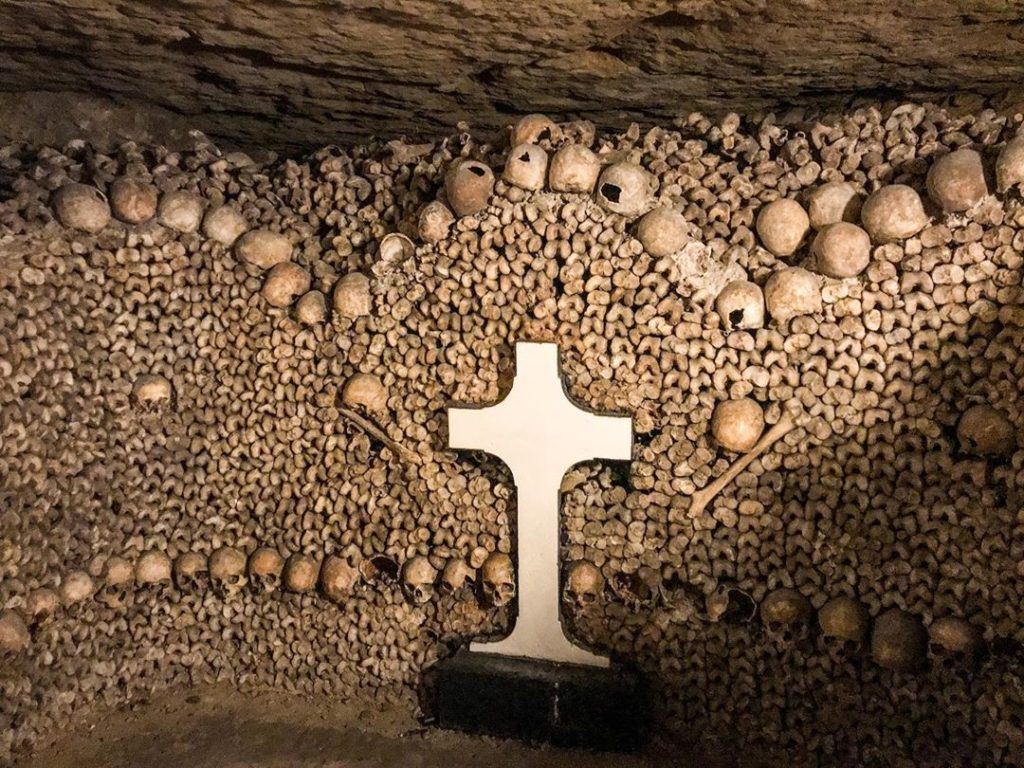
[{"x": 537, "y": 701}]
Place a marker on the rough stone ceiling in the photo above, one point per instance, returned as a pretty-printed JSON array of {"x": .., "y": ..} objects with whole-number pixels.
[{"x": 288, "y": 73}]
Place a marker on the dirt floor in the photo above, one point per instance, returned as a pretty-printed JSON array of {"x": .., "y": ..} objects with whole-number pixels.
[{"x": 221, "y": 728}]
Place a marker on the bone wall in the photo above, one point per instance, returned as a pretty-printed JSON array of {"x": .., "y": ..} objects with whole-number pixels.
[{"x": 179, "y": 380}]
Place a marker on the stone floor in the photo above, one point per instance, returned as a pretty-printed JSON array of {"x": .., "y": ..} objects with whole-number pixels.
[{"x": 220, "y": 728}]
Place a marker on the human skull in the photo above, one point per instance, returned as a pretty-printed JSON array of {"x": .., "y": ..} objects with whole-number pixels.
[
  {"x": 574, "y": 168},
  {"x": 736, "y": 425},
  {"x": 833, "y": 202},
  {"x": 625, "y": 188},
  {"x": 583, "y": 585},
  {"x": 434, "y": 222},
  {"x": 898, "y": 641},
  {"x": 534, "y": 129},
  {"x": 311, "y": 309},
  {"x": 841, "y": 250},
  {"x": 41, "y": 605},
  {"x": 729, "y": 603},
  {"x": 151, "y": 390},
  {"x": 351, "y": 296},
  {"x": 663, "y": 231},
  {"x": 782, "y": 226},
  {"x": 264, "y": 570},
  {"x": 526, "y": 167},
  {"x": 264, "y": 248},
  {"x": 79, "y": 206},
  {"x": 457, "y": 577},
  {"x": 14, "y": 635},
  {"x": 379, "y": 569},
  {"x": 638, "y": 589},
  {"x": 395, "y": 249},
  {"x": 1010, "y": 165},
  {"x": 133, "y": 200},
  {"x": 954, "y": 644},
  {"x": 469, "y": 185},
  {"x": 191, "y": 570},
  {"x": 498, "y": 581},
  {"x": 894, "y": 212},
  {"x": 740, "y": 304},
  {"x": 153, "y": 573},
  {"x": 76, "y": 588},
  {"x": 844, "y": 623},
  {"x": 181, "y": 211},
  {"x": 956, "y": 182},
  {"x": 338, "y": 578},
  {"x": 116, "y": 582},
  {"x": 300, "y": 573},
  {"x": 785, "y": 613},
  {"x": 418, "y": 577},
  {"x": 224, "y": 224},
  {"x": 367, "y": 391},
  {"x": 285, "y": 283},
  {"x": 986, "y": 431},
  {"x": 792, "y": 291},
  {"x": 227, "y": 571}
]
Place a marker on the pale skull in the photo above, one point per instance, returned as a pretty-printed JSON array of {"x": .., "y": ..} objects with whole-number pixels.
[
  {"x": 14, "y": 635},
  {"x": 300, "y": 573},
  {"x": 190, "y": 571},
  {"x": 76, "y": 588},
  {"x": 418, "y": 577},
  {"x": 265, "y": 566},
  {"x": 457, "y": 577},
  {"x": 227, "y": 571},
  {"x": 153, "y": 573},
  {"x": 498, "y": 581},
  {"x": 583, "y": 585},
  {"x": 117, "y": 578},
  {"x": 785, "y": 613}
]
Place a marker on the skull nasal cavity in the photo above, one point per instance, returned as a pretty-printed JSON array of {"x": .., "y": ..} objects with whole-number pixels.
[{"x": 611, "y": 192}]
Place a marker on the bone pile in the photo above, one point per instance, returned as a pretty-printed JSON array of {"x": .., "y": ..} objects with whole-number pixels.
[{"x": 223, "y": 385}]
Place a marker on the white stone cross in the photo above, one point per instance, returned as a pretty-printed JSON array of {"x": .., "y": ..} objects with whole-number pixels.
[{"x": 539, "y": 433}]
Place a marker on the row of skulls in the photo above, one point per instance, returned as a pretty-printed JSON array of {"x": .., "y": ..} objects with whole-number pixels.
[{"x": 488, "y": 576}]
